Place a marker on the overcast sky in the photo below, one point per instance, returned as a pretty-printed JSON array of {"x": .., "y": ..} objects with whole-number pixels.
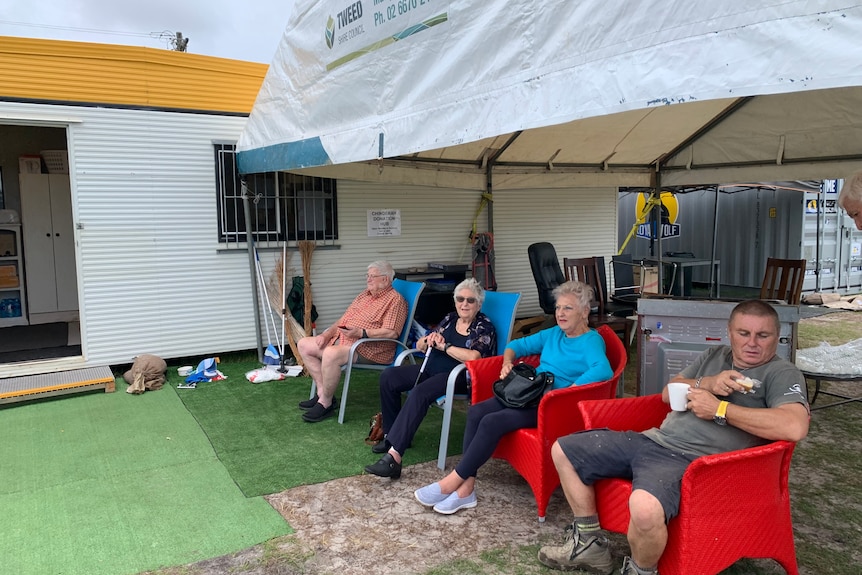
[{"x": 238, "y": 29}]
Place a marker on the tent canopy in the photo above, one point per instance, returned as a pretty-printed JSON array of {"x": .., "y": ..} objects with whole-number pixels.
[{"x": 560, "y": 94}]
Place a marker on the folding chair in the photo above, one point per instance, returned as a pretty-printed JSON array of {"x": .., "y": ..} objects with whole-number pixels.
[
  {"x": 410, "y": 291},
  {"x": 500, "y": 307}
]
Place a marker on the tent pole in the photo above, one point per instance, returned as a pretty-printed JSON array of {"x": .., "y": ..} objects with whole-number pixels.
[
  {"x": 657, "y": 226},
  {"x": 489, "y": 189},
  {"x": 820, "y": 210},
  {"x": 489, "y": 169},
  {"x": 714, "y": 247},
  {"x": 249, "y": 242}
]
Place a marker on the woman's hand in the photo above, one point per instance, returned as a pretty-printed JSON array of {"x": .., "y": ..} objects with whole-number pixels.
[
  {"x": 505, "y": 369},
  {"x": 435, "y": 340}
]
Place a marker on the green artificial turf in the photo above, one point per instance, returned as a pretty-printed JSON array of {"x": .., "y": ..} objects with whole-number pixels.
[
  {"x": 259, "y": 435},
  {"x": 113, "y": 483}
]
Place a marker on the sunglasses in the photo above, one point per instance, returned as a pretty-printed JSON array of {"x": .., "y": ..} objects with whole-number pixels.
[{"x": 460, "y": 299}]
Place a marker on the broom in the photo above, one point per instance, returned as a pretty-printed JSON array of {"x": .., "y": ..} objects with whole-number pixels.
[
  {"x": 306, "y": 248},
  {"x": 278, "y": 300}
]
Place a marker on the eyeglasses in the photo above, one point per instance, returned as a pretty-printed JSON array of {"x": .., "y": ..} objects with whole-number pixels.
[
  {"x": 372, "y": 276},
  {"x": 564, "y": 308},
  {"x": 461, "y": 299}
]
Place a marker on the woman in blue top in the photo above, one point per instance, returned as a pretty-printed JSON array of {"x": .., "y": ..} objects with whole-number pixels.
[{"x": 573, "y": 352}]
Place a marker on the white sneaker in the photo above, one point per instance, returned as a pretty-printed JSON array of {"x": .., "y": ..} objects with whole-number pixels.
[
  {"x": 430, "y": 495},
  {"x": 454, "y": 503}
]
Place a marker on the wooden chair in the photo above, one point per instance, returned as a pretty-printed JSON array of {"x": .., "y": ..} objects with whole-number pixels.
[
  {"x": 528, "y": 450},
  {"x": 783, "y": 280},
  {"x": 587, "y": 271},
  {"x": 712, "y": 531}
]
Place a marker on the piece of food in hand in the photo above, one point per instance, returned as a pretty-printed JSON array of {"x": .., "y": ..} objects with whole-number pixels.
[{"x": 748, "y": 383}]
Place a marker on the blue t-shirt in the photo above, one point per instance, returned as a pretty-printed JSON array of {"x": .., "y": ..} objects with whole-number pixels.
[{"x": 572, "y": 360}]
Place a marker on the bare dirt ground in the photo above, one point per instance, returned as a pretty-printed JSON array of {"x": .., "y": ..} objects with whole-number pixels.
[{"x": 365, "y": 524}]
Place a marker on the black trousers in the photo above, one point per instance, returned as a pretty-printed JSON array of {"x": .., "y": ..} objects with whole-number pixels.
[
  {"x": 487, "y": 422},
  {"x": 400, "y": 422}
]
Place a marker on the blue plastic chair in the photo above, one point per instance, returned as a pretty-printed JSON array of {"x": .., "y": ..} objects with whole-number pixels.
[
  {"x": 500, "y": 307},
  {"x": 410, "y": 291}
]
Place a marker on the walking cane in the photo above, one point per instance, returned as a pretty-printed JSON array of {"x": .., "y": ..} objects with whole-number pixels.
[{"x": 422, "y": 367}]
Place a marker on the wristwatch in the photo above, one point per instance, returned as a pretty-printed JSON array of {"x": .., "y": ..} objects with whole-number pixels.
[
  {"x": 719, "y": 416},
  {"x": 447, "y": 346}
]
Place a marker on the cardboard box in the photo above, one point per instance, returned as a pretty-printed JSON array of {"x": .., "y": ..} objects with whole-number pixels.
[
  {"x": 30, "y": 164},
  {"x": 8, "y": 270},
  {"x": 820, "y": 298},
  {"x": 649, "y": 281},
  {"x": 9, "y": 282}
]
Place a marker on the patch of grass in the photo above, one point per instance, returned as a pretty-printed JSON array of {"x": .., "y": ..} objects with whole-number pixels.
[
  {"x": 834, "y": 328},
  {"x": 509, "y": 560}
]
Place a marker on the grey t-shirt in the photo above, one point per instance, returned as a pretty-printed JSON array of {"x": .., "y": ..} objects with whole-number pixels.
[{"x": 684, "y": 431}]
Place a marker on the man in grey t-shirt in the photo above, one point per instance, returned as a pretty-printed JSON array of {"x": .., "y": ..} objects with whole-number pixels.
[{"x": 723, "y": 413}]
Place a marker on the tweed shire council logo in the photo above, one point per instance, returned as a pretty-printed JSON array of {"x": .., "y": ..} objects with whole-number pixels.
[{"x": 330, "y": 32}]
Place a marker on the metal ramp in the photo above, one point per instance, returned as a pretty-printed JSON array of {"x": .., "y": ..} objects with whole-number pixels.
[{"x": 28, "y": 387}]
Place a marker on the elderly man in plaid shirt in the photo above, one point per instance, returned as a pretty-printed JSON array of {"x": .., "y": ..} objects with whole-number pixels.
[{"x": 377, "y": 312}]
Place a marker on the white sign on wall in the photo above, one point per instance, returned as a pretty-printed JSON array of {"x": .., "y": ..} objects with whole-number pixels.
[{"x": 384, "y": 223}]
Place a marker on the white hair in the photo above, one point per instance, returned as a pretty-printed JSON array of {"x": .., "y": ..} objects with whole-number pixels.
[{"x": 384, "y": 268}]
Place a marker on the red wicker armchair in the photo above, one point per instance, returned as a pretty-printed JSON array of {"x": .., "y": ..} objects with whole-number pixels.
[
  {"x": 714, "y": 528},
  {"x": 529, "y": 450}
]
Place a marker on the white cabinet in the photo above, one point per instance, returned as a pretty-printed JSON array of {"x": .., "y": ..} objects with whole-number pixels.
[
  {"x": 13, "y": 304},
  {"x": 49, "y": 248}
]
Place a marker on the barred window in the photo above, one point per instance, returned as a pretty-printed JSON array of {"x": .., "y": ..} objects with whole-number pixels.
[{"x": 285, "y": 206}]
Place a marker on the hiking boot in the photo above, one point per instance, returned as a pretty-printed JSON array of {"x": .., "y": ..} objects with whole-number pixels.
[
  {"x": 588, "y": 553},
  {"x": 629, "y": 568}
]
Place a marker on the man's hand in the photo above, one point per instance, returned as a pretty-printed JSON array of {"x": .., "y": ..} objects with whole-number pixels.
[
  {"x": 702, "y": 403},
  {"x": 723, "y": 384}
]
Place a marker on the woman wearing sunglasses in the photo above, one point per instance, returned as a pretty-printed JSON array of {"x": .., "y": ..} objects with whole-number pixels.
[
  {"x": 571, "y": 350},
  {"x": 464, "y": 334}
]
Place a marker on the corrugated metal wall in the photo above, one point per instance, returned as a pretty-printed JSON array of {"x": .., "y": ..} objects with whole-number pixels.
[
  {"x": 435, "y": 224},
  {"x": 578, "y": 222},
  {"x": 752, "y": 226},
  {"x": 152, "y": 279}
]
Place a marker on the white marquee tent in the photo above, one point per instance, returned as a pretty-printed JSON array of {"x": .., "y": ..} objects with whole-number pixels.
[{"x": 511, "y": 94}]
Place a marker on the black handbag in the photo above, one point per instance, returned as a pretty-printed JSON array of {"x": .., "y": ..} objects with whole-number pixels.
[{"x": 523, "y": 387}]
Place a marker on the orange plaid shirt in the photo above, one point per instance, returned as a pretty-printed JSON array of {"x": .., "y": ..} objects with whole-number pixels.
[{"x": 385, "y": 310}]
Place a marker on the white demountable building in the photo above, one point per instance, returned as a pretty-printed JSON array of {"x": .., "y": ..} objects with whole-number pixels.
[
  {"x": 546, "y": 110},
  {"x": 120, "y": 223}
]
